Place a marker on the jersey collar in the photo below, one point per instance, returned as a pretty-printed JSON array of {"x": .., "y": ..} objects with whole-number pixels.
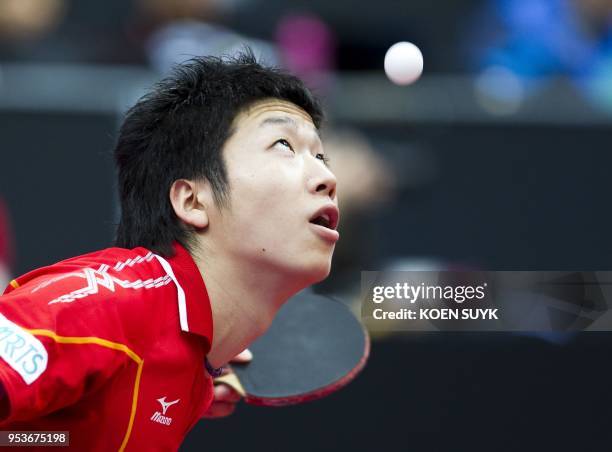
[{"x": 196, "y": 313}]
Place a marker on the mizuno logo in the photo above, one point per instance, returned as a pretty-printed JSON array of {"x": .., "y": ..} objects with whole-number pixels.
[
  {"x": 165, "y": 404},
  {"x": 161, "y": 418}
]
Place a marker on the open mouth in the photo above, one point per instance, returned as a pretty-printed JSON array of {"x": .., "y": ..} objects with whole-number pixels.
[
  {"x": 326, "y": 217},
  {"x": 322, "y": 220}
]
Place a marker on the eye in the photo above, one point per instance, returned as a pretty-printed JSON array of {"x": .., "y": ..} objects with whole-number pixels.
[
  {"x": 284, "y": 143},
  {"x": 323, "y": 158}
]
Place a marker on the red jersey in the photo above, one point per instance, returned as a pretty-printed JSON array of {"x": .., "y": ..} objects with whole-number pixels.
[{"x": 109, "y": 346}]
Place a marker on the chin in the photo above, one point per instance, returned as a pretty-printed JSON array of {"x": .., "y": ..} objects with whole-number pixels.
[
  {"x": 309, "y": 271},
  {"x": 318, "y": 272}
]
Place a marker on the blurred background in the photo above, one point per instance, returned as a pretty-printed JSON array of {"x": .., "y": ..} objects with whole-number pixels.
[{"x": 497, "y": 159}]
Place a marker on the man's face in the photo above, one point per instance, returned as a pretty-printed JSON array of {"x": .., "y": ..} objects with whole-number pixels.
[{"x": 282, "y": 211}]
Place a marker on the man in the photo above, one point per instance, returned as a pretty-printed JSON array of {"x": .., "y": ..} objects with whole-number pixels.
[{"x": 228, "y": 209}]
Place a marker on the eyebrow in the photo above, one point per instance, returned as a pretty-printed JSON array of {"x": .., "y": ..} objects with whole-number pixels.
[{"x": 283, "y": 120}]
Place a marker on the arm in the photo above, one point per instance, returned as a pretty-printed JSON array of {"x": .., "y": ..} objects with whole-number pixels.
[{"x": 52, "y": 356}]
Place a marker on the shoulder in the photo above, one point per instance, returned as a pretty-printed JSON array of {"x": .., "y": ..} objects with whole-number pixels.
[
  {"x": 94, "y": 291},
  {"x": 93, "y": 267}
]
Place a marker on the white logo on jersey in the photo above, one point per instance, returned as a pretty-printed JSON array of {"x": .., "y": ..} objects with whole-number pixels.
[
  {"x": 22, "y": 351},
  {"x": 160, "y": 417},
  {"x": 96, "y": 278}
]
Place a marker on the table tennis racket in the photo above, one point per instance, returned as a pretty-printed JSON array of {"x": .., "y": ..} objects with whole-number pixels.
[{"x": 314, "y": 347}]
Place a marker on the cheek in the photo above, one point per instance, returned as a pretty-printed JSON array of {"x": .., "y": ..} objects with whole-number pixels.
[
  {"x": 272, "y": 190},
  {"x": 253, "y": 193}
]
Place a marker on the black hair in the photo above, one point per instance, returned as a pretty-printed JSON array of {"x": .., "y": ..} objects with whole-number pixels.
[{"x": 178, "y": 130}]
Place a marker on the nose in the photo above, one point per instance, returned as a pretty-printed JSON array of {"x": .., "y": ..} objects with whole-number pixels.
[{"x": 323, "y": 182}]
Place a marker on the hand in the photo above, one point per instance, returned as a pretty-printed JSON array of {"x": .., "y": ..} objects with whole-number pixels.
[{"x": 226, "y": 398}]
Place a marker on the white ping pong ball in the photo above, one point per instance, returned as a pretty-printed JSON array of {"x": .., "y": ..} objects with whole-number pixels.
[{"x": 403, "y": 63}]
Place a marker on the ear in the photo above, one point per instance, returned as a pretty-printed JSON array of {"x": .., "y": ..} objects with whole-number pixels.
[{"x": 191, "y": 201}]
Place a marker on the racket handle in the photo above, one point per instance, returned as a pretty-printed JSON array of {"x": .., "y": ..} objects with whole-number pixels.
[{"x": 232, "y": 381}]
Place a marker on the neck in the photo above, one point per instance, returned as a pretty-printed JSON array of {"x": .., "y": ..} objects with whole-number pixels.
[{"x": 244, "y": 299}]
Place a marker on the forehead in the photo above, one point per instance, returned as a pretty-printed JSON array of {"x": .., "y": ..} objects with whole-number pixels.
[{"x": 271, "y": 112}]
